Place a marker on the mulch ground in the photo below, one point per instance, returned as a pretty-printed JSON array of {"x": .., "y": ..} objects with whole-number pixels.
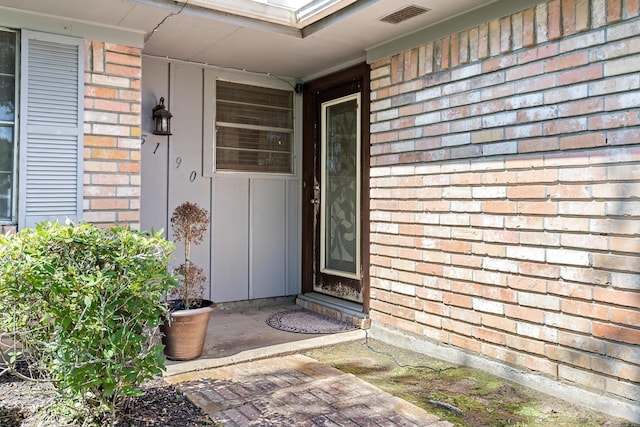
[{"x": 24, "y": 404}]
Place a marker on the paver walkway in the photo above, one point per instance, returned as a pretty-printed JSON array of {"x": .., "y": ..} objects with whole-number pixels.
[{"x": 295, "y": 390}]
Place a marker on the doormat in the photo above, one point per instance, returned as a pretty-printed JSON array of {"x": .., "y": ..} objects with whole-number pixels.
[{"x": 307, "y": 322}]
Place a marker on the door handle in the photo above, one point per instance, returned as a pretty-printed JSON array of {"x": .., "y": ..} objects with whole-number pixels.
[{"x": 315, "y": 201}]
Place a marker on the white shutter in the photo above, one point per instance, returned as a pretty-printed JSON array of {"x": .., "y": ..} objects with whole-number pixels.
[{"x": 51, "y": 128}]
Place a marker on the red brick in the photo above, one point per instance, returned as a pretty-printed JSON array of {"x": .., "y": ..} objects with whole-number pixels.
[
  {"x": 616, "y": 368},
  {"x": 99, "y": 141},
  {"x": 464, "y": 53},
  {"x": 566, "y": 61},
  {"x": 525, "y": 71},
  {"x": 554, "y": 23},
  {"x": 580, "y": 107},
  {"x": 465, "y": 343},
  {"x": 583, "y": 13},
  {"x": 498, "y": 322},
  {"x": 456, "y": 327},
  {"x": 528, "y": 27},
  {"x": 107, "y": 154},
  {"x": 624, "y": 352},
  {"x": 517, "y": 23},
  {"x": 592, "y": 72},
  {"x": 500, "y": 294},
  {"x": 632, "y": 8},
  {"x": 565, "y": 126},
  {"x": 541, "y": 19},
  {"x": 612, "y": 296},
  {"x": 455, "y": 50},
  {"x": 97, "y": 49},
  {"x": 624, "y": 244},
  {"x": 622, "y": 101},
  {"x": 445, "y": 54},
  {"x": 112, "y": 105},
  {"x": 583, "y": 141},
  {"x": 568, "y": 17},
  {"x": 537, "y": 208},
  {"x": 128, "y": 50},
  {"x": 525, "y": 344},
  {"x": 99, "y": 191},
  {"x": 411, "y": 64},
  {"x": 616, "y": 333},
  {"x": 464, "y": 315},
  {"x": 581, "y": 342},
  {"x": 499, "y": 207},
  {"x": 539, "y": 270},
  {"x": 109, "y": 204},
  {"x": 524, "y": 313},
  {"x": 505, "y": 34},
  {"x": 129, "y": 167},
  {"x": 483, "y": 41},
  {"x": 626, "y": 317},
  {"x": 109, "y": 179},
  {"x": 489, "y": 335},
  {"x": 614, "y": 11},
  {"x": 538, "y": 144},
  {"x": 585, "y": 309},
  {"x": 531, "y": 284},
  {"x": 494, "y": 38},
  {"x": 568, "y": 356},
  {"x": 614, "y": 120},
  {"x": 457, "y": 300}
]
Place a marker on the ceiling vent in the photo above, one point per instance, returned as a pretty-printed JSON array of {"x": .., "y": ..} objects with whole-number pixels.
[{"x": 403, "y": 14}]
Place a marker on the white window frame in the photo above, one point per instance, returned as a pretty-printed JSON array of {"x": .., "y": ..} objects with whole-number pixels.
[
  {"x": 211, "y": 76},
  {"x": 16, "y": 134}
]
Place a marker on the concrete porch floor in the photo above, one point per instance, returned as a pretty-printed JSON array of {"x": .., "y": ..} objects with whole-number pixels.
[{"x": 238, "y": 332}]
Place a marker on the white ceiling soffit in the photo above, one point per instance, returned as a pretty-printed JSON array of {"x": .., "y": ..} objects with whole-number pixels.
[{"x": 336, "y": 33}]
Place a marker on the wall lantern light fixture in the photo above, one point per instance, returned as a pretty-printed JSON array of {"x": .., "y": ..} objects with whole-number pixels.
[{"x": 161, "y": 119}]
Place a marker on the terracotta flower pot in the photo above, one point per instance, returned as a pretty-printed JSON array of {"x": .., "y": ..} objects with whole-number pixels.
[{"x": 185, "y": 336}]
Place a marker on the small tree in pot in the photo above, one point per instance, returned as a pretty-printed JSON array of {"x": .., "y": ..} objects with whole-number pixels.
[{"x": 186, "y": 329}]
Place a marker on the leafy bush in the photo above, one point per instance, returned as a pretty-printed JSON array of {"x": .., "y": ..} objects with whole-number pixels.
[{"x": 83, "y": 304}]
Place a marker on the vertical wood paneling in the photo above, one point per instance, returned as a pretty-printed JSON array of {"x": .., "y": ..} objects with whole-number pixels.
[
  {"x": 293, "y": 238},
  {"x": 186, "y": 183},
  {"x": 155, "y": 150},
  {"x": 230, "y": 265},
  {"x": 268, "y": 238}
]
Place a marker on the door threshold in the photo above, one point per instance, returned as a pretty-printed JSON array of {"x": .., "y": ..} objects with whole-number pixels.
[{"x": 343, "y": 310}]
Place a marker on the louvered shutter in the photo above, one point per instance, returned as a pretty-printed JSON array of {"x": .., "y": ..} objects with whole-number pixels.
[{"x": 51, "y": 128}]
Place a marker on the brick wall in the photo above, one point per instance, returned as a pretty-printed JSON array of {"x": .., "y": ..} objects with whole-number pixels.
[
  {"x": 112, "y": 134},
  {"x": 505, "y": 217}
]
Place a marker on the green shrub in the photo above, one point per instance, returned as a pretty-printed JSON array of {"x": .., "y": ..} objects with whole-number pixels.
[{"x": 84, "y": 304}]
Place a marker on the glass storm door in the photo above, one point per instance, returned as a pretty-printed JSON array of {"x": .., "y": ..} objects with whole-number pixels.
[
  {"x": 338, "y": 199},
  {"x": 335, "y": 179}
]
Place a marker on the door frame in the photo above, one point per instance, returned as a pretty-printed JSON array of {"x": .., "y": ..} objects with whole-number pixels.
[{"x": 357, "y": 75}]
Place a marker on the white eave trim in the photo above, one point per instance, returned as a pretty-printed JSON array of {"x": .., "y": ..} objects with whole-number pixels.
[
  {"x": 20, "y": 19},
  {"x": 470, "y": 19}
]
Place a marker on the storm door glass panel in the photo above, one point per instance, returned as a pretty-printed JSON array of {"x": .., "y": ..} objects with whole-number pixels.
[
  {"x": 340, "y": 187},
  {"x": 254, "y": 128},
  {"x": 8, "y": 72}
]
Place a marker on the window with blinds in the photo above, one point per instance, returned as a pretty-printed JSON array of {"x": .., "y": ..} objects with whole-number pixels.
[{"x": 254, "y": 128}]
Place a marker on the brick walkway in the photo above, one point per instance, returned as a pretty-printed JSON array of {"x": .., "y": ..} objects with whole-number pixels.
[{"x": 295, "y": 390}]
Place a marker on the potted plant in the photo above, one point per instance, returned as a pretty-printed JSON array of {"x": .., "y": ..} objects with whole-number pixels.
[{"x": 185, "y": 329}]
